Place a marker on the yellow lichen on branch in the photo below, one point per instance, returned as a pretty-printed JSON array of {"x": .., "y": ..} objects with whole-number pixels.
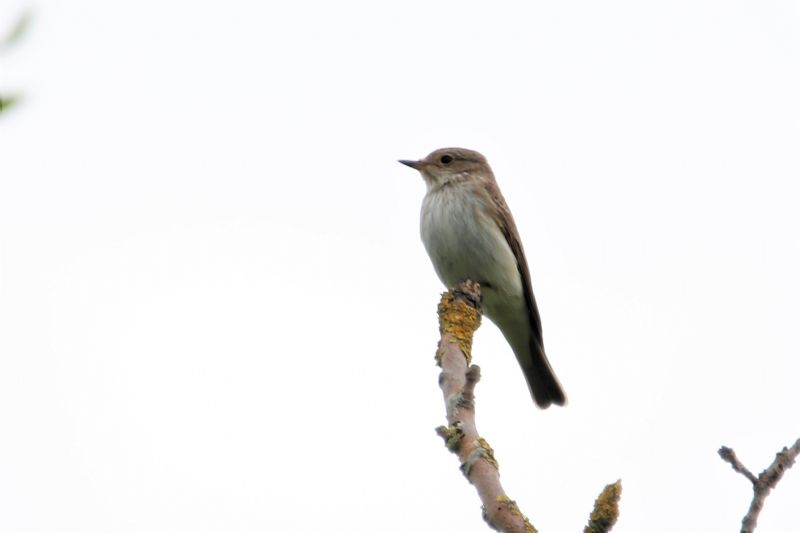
[
  {"x": 513, "y": 508},
  {"x": 457, "y": 318},
  {"x": 452, "y": 436},
  {"x": 606, "y": 509}
]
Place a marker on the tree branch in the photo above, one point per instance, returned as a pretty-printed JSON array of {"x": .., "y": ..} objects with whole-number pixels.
[
  {"x": 764, "y": 483},
  {"x": 459, "y": 317}
]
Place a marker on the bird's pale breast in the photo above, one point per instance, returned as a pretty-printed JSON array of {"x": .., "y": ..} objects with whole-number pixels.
[{"x": 463, "y": 241}]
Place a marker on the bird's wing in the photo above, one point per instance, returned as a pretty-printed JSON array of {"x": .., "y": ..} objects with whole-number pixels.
[{"x": 507, "y": 226}]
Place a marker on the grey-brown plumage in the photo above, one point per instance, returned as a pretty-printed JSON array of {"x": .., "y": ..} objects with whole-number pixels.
[{"x": 469, "y": 233}]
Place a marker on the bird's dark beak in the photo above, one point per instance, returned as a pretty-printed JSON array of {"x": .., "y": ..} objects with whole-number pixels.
[{"x": 416, "y": 165}]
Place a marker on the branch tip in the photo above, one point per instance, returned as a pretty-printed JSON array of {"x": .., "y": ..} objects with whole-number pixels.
[
  {"x": 606, "y": 509},
  {"x": 729, "y": 456}
]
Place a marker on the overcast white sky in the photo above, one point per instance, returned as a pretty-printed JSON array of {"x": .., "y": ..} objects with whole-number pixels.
[{"x": 216, "y": 313}]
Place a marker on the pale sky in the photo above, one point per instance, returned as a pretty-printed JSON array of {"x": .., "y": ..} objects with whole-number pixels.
[{"x": 216, "y": 313}]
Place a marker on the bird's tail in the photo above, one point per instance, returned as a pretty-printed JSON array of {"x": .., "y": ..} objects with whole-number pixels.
[{"x": 542, "y": 382}]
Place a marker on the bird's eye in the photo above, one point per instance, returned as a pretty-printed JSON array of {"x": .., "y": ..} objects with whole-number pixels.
[{"x": 446, "y": 159}]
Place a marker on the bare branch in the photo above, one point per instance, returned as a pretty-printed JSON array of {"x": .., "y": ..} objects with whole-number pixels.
[
  {"x": 459, "y": 317},
  {"x": 764, "y": 483},
  {"x": 730, "y": 456}
]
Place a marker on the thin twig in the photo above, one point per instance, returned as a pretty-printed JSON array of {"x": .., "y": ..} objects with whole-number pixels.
[
  {"x": 764, "y": 483},
  {"x": 730, "y": 456}
]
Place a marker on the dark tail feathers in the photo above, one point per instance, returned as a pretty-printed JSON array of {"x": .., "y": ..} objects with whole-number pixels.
[{"x": 542, "y": 382}]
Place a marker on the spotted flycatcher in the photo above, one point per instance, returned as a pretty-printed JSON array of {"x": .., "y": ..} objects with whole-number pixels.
[{"x": 469, "y": 233}]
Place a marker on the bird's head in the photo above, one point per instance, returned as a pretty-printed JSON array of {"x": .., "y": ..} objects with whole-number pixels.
[{"x": 447, "y": 165}]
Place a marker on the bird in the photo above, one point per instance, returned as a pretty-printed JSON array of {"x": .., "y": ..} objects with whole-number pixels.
[{"x": 469, "y": 233}]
